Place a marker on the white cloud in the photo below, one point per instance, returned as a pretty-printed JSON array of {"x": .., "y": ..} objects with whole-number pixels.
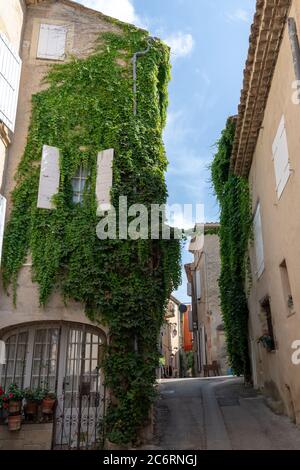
[
  {"x": 181, "y": 44},
  {"x": 121, "y": 9},
  {"x": 239, "y": 15}
]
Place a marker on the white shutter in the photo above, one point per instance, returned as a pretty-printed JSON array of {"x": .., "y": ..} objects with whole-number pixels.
[
  {"x": 189, "y": 289},
  {"x": 10, "y": 71},
  {"x": 281, "y": 158},
  {"x": 2, "y": 353},
  {"x": 52, "y": 42},
  {"x": 198, "y": 285},
  {"x": 104, "y": 179},
  {"x": 2, "y": 221},
  {"x": 49, "y": 177},
  {"x": 258, "y": 241}
]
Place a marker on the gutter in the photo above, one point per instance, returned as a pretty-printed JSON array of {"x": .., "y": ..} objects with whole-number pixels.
[{"x": 134, "y": 61}]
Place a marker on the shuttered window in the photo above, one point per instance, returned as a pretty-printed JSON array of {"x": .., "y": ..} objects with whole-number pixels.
[
  {"x": 52, "y": 42},
  {"x": 104, "y": 179},
  {"x": 10, "y": 71},
  {"x": 49, "y": 177},
  {"x": 198, "y": 285},
  {"x": 281, "y": 158},
  {"x": 2, "y": 221},
  {"x": 258, "y": 241},
  {"x": 189, "y": 289}
]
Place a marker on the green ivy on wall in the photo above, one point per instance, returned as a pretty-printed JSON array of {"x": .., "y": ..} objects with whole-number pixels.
[
  {"x": 235, "y": 232},
  {"x": 124, "y": 284}
]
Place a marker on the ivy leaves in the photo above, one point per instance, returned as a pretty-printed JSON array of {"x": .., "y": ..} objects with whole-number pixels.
[{"x": 235, "y": 232}]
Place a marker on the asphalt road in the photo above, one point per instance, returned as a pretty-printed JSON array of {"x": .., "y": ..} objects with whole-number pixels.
[{"x": 218, "y": 414}]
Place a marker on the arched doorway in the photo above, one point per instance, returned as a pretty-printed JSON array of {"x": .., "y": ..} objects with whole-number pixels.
[{"x": 65, "y": 358}]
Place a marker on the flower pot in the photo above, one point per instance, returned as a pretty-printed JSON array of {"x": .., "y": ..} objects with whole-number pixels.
[
  {"x": 31, "y": 408},
  {"x": 14, "y": 422},
  {"x": 48, "y": 405},
  {"x": 14, "y": 407}
]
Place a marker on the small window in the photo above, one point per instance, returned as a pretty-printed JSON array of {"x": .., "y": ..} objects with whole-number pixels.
[
  {"x": 78, "y": 184},
  {"x": 16, "y": 351},
  {"x": 52, "y": 42},
  {"x": 286, "y": 287},
  {"x": 268, "y": 338},
  {"x": 281, "y": 158},
  {"x": 258, "y": 242}
]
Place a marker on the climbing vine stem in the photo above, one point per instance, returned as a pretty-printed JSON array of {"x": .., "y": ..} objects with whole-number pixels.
[
  {"x": 124, "y": 284},
  {"x": 233, "y": 194}
]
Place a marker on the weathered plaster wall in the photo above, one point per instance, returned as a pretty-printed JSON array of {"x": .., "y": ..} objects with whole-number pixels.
[
  {"x": 12, "y": 13},
  {"x": 281, "y": 227}
]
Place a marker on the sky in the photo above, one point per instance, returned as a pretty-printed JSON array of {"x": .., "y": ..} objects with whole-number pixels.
[{"x": 209, "y": 42}]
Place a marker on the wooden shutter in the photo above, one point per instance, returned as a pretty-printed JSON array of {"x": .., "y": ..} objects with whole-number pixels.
[
  {"x": 198, "y": 285},
  {"x": 104, "y": 179},
  {"x": 2, "y": 221},
  {"x": 49, "y": 177},
  {"x": 258, "y": 241},
  {"x": 189, "y": 289},
  {"x": 281, "y": 158},
  {"x": 2, "y": 353},
  {"x": 52, "y": 42},
  {"x": 10, "y": 71}
]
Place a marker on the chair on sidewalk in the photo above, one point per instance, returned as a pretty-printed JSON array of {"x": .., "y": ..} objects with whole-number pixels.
[{"x": 214, "y": 368}]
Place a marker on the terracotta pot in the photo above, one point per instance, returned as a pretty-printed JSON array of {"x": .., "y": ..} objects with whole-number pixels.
[
  {"x": 31, "y": 408},
  {"x": 14, "y": 422},
  {"x": 14, "y": 407},
  {"x": 48, "y": 405}
]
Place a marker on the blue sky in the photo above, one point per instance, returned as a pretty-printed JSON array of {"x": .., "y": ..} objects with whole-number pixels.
[{"x": 209, "y": 42}]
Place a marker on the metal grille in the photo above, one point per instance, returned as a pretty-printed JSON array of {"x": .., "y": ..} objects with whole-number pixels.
[{"x": 81, "y": 403}]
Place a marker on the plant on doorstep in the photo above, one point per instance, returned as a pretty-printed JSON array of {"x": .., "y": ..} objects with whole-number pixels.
[{"x": 124, "y": 284}]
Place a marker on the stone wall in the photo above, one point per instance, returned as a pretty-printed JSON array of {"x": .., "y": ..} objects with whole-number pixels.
[{"x": 30, "y": 437}]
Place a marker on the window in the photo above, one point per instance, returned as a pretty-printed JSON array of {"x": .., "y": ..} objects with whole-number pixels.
[
  {"x": 10, "y": 71},
  {"x": 281, "y": 158},
  {"x": 268, "y": 336},
  {"x": 16, "y": 352},
  {"x": 52, "y": 42},
  {"x": 78, "y": 184},
  {"x": 44, "y": 360},
  {"x": 286, "y": 287},
  {"x": 258, "y": 242}
]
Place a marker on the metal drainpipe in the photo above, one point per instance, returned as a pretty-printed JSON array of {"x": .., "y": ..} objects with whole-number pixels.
[
  {"x": 294, "y": 39},
  {"x": 134, "y": 61}
]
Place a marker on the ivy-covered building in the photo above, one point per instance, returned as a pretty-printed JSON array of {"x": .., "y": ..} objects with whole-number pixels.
[{"x": 81, "y": 316}]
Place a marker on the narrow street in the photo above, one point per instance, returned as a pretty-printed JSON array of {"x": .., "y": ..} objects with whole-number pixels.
[{"x": 218, "y": 414}]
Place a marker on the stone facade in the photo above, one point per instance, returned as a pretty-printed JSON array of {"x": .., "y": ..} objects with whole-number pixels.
[
  {"x": 171, "y": 339},
  {"x": 209, "y": 337}
]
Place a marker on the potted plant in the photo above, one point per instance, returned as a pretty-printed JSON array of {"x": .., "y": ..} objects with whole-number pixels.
[
  {"x": 14, "y": 397},
  {"x": 49, "y": 400},
  {"x": 12, "y": 402},
  {"x": 267, "y": 341},
  {"x": 33, "y": 399}
]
